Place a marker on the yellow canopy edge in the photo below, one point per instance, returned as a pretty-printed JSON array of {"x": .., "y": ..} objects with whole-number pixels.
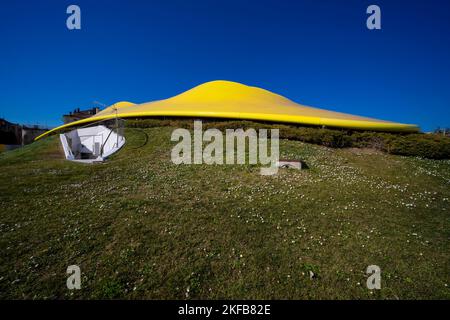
[{"x": 231, "y": 100}]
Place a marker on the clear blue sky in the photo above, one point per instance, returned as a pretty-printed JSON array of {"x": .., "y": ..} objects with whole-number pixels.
[{"x": 318, "y": 53}]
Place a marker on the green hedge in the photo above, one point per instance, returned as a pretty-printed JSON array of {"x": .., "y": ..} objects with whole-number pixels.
[{"x": 432, "y": 146}]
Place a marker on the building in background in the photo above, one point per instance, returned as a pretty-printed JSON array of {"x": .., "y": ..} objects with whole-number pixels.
[
  {"x": 13, "y": 135},
  {"x": 443, "y": 131},
  {"x": 78, "y": 114}
]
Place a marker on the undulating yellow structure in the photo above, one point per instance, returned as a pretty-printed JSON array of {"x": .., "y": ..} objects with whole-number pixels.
[{"x": 231, "y": 100}]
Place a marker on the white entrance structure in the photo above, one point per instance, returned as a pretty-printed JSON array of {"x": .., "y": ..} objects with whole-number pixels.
[{"x": 91, "y": 144}]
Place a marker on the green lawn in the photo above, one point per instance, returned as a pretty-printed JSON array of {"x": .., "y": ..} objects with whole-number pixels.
[{"x": 141, "y": 227}]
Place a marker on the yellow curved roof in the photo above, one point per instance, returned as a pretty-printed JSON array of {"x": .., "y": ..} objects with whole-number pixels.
[{"x": 231, "y": 100}]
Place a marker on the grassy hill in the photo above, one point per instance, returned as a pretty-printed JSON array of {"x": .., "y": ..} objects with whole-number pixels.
[{"x": 141, "y": 227}]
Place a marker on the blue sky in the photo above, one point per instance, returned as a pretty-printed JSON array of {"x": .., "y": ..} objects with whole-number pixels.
[{"x": 318, "y": 53}]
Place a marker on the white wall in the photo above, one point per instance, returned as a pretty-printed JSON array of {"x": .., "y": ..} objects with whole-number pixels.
[{"x": 90, "y": 140}]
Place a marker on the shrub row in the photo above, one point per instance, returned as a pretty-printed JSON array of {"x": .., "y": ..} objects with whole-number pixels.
[{"x": 432, "y": 146}]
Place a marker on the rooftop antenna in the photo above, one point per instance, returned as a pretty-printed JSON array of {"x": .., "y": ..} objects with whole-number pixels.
[
  {"x": 117, "y": 124},
  {"x": 100, "y": 104},
  {"x": 114, "y": 108}
]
